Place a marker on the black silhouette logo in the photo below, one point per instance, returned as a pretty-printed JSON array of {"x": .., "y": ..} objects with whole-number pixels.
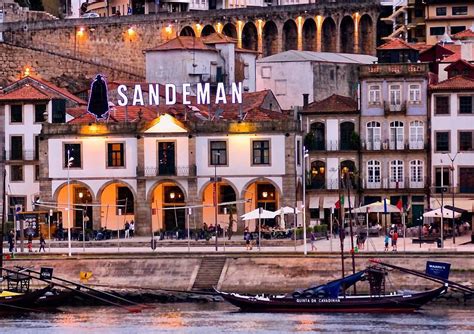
[{"x": 98, "y": 99}]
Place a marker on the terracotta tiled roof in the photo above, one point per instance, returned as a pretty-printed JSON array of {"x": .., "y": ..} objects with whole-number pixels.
[
  {"x": 183, "y": 43},
  {"x": 217, "y": 38},
  {"x": 422, "y": 47},
  {"x": 333, "y": 104},
  {"x": 60, "y": 90},
  {"x": 456, "y": 49},
  {"x": 455, "y": 83},
  {"x": 26, "y": 93},
  {"x": 465, "y": 34},
  {"x": 396, "y": 44},
  {"x": 464, "y": 62}
]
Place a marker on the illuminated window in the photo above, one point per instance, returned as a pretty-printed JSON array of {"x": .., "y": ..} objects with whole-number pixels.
[
  {"x": 115, "y": 155},
  {"x": 261, "y": 152}
]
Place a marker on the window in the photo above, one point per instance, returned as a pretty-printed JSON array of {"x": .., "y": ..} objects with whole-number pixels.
[
  {"x": 37, "y": 172},
  {"x": 465, "y": 105},
  {"x": 416, "y": 171},
  {"x": 441, "y": 178},
  {"x": 467, "y": 177},
  {"x": 396, "y": 135},
  {"x": 460, "y": 10},
  {"x": 280, "y": 87},
  {"x": 115, "y": 155},
  {"x": 59, "y": 111},
  {"x": 125, "y": 200},
  {"x": 16, "y": 173},
  {"x": 414, "y": 93},
  {"x": 266, "y": 72},
  {"x": 298, "y": 153},
  {"x": 395, "y": 95},
  {"x": 373, "y": 135},
  {"x": 261, "y": 152},
  {"x": 36, "y": 147},
  {"x": 442, "y": 105},
  {"x": 374, "y": 94},
  {"x": 16, "y": 113},
  {"x": 16, "y": 147},
  {"x": 74, "y": 153},
  {"x": 373, "y": 171},
  {"x": 465, "y": 141},
  {"x": 396, "y": 171},
  {"x": 441, "y": 11},
  {"x": 40, "y": 110},
  {"x": 218, "y": 153},
  {"x": 442, "y": 141},
  {"x": 437, "y": 31},
  {"x": 416, "y": 135},
  {"x": 227, "y": 194},
  {"x": 455, "y": 30}
]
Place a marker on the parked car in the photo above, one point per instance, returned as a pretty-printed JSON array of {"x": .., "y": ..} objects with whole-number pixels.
[{"x": 90, "y": 15}]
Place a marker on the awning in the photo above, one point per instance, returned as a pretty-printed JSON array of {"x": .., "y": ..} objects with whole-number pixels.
[
  {"x": 329, "y": 202},
  {"x": 462, "y": 203},
  {"x": 314, "y": 202}
]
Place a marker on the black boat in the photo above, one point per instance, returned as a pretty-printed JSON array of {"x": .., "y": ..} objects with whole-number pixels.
[
  {"x": 21, "y": 302},
  {"x": 334, "y": 297}
]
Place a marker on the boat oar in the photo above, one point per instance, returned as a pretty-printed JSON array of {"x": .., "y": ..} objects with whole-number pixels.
[
  {"x": 129, "y": 309},
  {"x": 91, "y": 289}
]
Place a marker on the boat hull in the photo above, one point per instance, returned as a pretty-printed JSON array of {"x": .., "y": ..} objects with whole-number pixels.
[
  {"x": 23, "y": 302},
  {"x": 366, "y": 304}
]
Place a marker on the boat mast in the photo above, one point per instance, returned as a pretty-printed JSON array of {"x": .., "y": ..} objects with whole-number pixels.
[
  {"x": 350, "y": 224},
  {"x": 341, "y": 223}
]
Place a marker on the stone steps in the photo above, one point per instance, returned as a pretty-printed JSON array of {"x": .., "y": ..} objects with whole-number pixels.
[{"x": 209, "y": 273}]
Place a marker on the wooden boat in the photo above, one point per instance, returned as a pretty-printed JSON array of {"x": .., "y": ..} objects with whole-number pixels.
[
  {"x": 11, "y": 301},
  {"x": 333, "y": 297}
]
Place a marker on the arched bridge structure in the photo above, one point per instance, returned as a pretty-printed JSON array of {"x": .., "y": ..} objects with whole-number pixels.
[{"x": 118, "y": 42}]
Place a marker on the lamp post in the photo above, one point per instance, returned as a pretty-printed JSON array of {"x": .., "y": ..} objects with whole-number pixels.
[
  {"x": 452, "y": 188},
  {"x": 303, "y": 167},
  {"x": 69, "y": 162},
  {"x": 217, "y": 155}
]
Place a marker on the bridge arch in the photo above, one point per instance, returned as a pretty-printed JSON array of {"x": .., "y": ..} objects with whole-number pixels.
[
  {"x": 187, "y": 31},
  {"x": 346, "y": 35},
  {"x": 328, "y": 40},
  {"x": 270, "y": 39},
  {"x": 207, "y": 30},
  {"x": 250, "y": 36},
  {"x": 366, "y": 34},
  {"x": 309, "y": 35},
  {"x": 290, "y": 36},
  {"x": 230, "y": 30}
]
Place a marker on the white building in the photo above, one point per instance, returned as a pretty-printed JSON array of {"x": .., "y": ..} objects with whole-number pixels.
[
  {"x": 212, "y": 59},
  {"x": 25, "y": 106},
  {"x": 320, "y": 74}
]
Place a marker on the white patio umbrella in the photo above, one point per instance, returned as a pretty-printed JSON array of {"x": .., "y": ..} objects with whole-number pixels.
[
  {"x": 436, "y": 213},
  {"x": 284, "y": 211},
  {"x": 265, "y": 214},
  {"x": 376, "y": 207}
]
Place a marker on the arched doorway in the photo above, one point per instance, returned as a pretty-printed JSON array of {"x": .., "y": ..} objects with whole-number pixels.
[
  {"x": 347, "y": 136},
  {"x": 219, "y": 192},
  {"x": 315, "y": 140},
  {"x": 270, "y": 39},
  {"x": 318, "y": 175},
  {"x": 348, "y": 174},
  {"x": 187, "y": 31},
  {"x": 117, "y": 206},
  {"x": 207, "y": 30},
  {"x": 250, "y": 37},
  {"x": 366, "y": 35},
  {"x": 230, "y": 30},
  {"x": 261, "y": 194},
  {"x": 290, "y": 36},
  {"x": 346, "y": 33},
  {"x": 165, "y": 198},
  {"x": 80, "y": 200},
  {"x": 328, "y": 40},
  {"x": 309, "y": 35}
]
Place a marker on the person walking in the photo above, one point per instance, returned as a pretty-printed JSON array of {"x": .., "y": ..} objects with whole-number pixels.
[
  {"x": 30, "y": 243},
  {"x": 387, "y": 239},
  {"x": 11, "y": 242},
  {"x": 313, "y": 240},
  {"x": 127, "y": 229},
  {"x": 248, "y": 239},
  {"x": 394, "y": 240},
  {"x": 42, "y": 244}
]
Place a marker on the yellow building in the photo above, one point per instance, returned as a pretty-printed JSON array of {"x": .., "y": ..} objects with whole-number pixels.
[{"x": 447, "y": 17}]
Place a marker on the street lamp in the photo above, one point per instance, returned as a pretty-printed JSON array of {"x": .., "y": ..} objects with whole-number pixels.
[
  {"x": 69, "y": 163},
  {"x": 452, "y": 187},
  {"x": 303, "y": 166},
  {"x": 217, "y": 155}
]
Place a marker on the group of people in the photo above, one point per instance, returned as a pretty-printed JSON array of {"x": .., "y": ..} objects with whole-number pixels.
[
  {"x": 12, "y": 242},
  {"x": 129, "y": 229},
  {"x": 393, "y": 237}
]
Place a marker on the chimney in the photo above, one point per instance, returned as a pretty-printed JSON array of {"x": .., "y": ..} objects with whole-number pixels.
[{"x": 305, "y": 100}]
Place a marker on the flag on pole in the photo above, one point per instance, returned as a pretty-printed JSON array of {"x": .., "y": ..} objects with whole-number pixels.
[
  {"x": 339, "y": 203},
  {"x": 385, "y": 210},
  {"x": 400, "y": 205}
]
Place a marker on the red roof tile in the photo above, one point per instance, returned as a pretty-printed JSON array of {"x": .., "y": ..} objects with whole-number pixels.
[
  {"x": 396, "y": 44},
  {"x": 218, "y": 38},
  {"x": 460, "y": 61},
  {"x": 26, "y": 93},
  {"x": 333, "y": 104},
  {"x": 183, "y": 43},
  {"x": 465, "y": 34},
  {"x": 455, "y": 83}
]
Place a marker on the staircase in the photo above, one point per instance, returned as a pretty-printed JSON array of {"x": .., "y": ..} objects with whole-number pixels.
[{"x": 209, "y": 273}]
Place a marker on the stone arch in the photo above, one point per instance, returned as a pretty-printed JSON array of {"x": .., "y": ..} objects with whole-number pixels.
[
  {"x": 309, "y": 35},
  {"x": 290, "y": 36},
  {"x": 224, "y": 180},
  {"x": 112, "y": 216},
  {"x": 73, "y": 182},
  {"x": 250, "y": 36},
  {"x": 328, "y": 35},
  {"x": 230, "y": 30},
  {"x": 79, "y": 201},
  {"x": 108, "y": 183},
  {"x": 259, "y": 179},
  {"x": 187, "y": 31},
  {"x": 366, "y": 35},
  {"x": 346, "y": 35},
  {"x": 225, "y": 192},
  {"x": 270, "y": 38},
  {"x": 207, "y": 30},
  {"x": 160, "y": 182}
]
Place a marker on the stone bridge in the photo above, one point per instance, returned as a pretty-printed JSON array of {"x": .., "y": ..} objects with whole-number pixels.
[{"x": 118, "y": 42}]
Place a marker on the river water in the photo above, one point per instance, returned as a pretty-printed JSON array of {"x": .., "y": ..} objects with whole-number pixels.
[{"x": 212, "y": 318}]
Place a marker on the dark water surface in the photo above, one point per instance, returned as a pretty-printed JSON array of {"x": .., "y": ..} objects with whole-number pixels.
[{"x": 221, "y": 317}]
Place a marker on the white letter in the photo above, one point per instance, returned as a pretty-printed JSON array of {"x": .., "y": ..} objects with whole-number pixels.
[
  {"x": 220, "y": 94},
  {"x": 237, "y": 92},
  {"x": 137, "y": 96},
  {"x": 153, "y": 94},
  {"x": 121, "y": 90},
  {"x": 203, "y": 95},
  {"x": 170, "y": 94},
  {"x": 186, "y": 93}
]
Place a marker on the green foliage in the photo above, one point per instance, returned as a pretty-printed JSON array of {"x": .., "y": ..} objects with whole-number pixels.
[{"x": 355, "y": 141}]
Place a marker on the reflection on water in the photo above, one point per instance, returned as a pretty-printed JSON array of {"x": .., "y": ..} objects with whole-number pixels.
[{"x": 221, "y": 317}]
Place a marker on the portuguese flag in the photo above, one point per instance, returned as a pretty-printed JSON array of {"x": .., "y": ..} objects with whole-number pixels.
[{"x": 339, "y": 203}]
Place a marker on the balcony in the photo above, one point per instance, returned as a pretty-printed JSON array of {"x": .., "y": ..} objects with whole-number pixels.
[
  {"x": 396, "y": 145},
  {"x": 416, "y": 145},
  {"x": 394, "y": 109},
  {"x": 390, "y": 70},
  {"x": 399, "y": 145},
  {"x": 21, "y": 155},
  {"x": 389, "y": 183},
  {"x": 183, "y": 171}
]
